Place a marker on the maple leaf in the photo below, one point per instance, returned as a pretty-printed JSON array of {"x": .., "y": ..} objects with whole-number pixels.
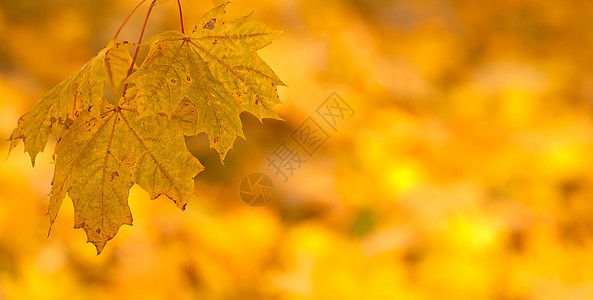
[
  {"x": 199, "y": 82},
  {"x": 75, "y": 94},
  {"x": 101, "y": 156},
  {"x": 217, "y": 68}
]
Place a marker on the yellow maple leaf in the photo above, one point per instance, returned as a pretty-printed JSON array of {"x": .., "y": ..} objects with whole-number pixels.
[
  {"x": 217, "y": 68},
  {"x": 101, "y": 156},
  {"x": 199, "y": 82},
  {"x": 74, "y": 95}
]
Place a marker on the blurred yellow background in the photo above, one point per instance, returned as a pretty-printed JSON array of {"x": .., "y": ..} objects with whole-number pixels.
[{"x": 465, "y": 172}]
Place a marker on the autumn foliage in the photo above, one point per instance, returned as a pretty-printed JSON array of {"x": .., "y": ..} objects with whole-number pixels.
[
  {"x": 463, "y": 173},
  {"x": 188, "y": 84}
]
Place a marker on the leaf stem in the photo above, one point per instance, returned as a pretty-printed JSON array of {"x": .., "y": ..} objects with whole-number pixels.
[
  {"x": 138, "y": 45},
  {"x": 180, "y": 16},
  {"x": 127, "y": 18}
]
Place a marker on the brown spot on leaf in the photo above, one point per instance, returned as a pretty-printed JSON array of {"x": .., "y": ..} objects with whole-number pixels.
[
  {"x": 187, "y": 78},
  {"x": 98, "y": 230},
  {"x": 210, "y": 24},
  {"x": 173, "y": 80},
  {"x": 90, "y": 124},
  {"x": 216, "y": 139},
  {"x": 68, "y": 123},
  {"x": 114, "y": 175}
]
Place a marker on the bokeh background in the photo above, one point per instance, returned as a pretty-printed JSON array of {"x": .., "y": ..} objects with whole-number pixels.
[{"x": 465, "y": 172}]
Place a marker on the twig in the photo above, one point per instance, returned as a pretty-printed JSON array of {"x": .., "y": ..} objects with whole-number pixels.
[
  {"x": 180, "y": 16},
  {"x": 138, "y": 45},
  {"x": 127, "y": 18}
]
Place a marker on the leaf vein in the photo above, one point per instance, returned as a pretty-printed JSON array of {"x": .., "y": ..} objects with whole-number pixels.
[{"x": 152, "y": 156}]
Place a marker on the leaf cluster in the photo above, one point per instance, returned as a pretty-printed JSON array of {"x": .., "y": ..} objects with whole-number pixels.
[{"x": 188, "y": 84}]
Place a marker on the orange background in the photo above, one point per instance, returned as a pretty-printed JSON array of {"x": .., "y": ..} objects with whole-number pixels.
[{"x": 465, "y": 172}]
